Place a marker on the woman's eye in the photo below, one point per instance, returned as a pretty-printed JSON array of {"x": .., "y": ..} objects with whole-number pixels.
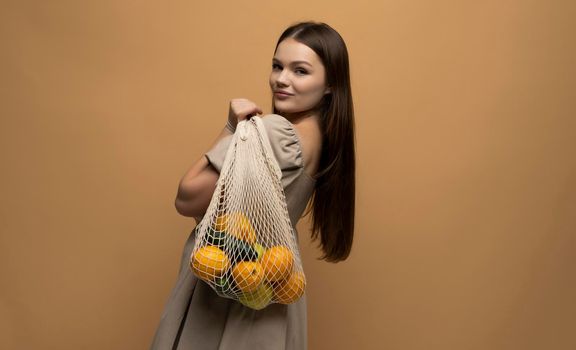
[{"x": 299, "y": 71}]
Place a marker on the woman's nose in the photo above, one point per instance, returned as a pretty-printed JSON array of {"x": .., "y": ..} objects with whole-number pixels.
[{"x": 282, "y": 77}]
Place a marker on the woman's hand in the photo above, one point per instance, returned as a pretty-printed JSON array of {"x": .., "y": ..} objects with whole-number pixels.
[{"x": 240, "y": 109}]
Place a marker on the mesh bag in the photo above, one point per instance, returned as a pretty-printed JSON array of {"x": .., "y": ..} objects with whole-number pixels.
[{"x": 246, "y": 247}]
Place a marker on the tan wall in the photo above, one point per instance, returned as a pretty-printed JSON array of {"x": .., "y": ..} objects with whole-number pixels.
[{"x": 466, "y": 199}]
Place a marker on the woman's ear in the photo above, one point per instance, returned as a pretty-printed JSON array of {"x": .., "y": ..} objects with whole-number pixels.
[{"x": 327, "y": 91}]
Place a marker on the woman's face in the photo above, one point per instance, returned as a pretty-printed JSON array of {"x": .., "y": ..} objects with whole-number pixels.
[{"x": 298, "y": 71}]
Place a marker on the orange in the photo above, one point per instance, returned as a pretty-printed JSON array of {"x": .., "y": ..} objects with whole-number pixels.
[
  {"x": 277, "y": 262},
  {"x": 221, "y": 222},
  {"x": 291, "y": 289},
  {"x": 209, "y": 262},
  {"x": 239, "y": 226},
  {"x": 248, "y": 275}
]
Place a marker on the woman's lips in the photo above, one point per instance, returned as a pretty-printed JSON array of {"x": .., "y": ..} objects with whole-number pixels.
[{"x": 281, "y": 95}]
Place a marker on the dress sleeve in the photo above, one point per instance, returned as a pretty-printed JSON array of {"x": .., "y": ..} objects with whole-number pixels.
[
  {"x": 217, "y": 153},
  {"x": 284, "y": 141}
]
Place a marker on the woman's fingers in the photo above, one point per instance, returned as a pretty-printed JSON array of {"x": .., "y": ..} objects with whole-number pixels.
[{"x": 241, "y": 108}]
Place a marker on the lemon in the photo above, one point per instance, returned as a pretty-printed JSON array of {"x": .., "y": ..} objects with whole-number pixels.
[{"x": 259, "y": 298}]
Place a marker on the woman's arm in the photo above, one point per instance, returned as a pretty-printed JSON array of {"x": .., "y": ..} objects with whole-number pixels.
[{"x": 197, "y": 186}]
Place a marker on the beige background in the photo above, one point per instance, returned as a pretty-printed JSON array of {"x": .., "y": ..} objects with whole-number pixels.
[{"x": 466, "y": 197}]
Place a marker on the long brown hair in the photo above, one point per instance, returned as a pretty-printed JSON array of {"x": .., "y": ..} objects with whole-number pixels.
[{"x": 333, "y": 200}]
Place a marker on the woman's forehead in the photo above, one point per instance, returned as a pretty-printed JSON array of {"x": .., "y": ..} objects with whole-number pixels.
[{"x": 290, "y": 52}]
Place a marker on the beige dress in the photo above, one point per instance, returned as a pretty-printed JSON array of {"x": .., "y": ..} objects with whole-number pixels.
[{"x": 196, "y": 318}]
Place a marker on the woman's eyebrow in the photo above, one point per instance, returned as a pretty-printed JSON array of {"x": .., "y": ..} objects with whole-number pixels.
[{"x": 293, "y": 62}]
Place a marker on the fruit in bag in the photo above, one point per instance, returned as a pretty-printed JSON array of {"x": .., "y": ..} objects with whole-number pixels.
[
  {"x": 216, "y": 238},
  {"x": 277, "y": 262},
  {"x": 209, "y": 262},
  {"x": 221, "y": 222},
  {"x": 248, "y": 275},
  {"x": 259, "y": 251},
  {"x": 225, "y": 284},
  {"x": 239, "y": 226},
  {"x": 259, "y": 298},
  {"x": 239, "y": 250},
  {"x": 291, "y": 289}
]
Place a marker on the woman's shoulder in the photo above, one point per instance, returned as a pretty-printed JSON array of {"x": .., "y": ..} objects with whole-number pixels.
[
  {"x": 276, "y": 120},
  {"x": 298, "y": 144}
]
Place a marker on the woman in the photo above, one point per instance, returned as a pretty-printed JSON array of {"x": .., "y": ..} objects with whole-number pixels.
[{"x": 311, "y": 130}]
